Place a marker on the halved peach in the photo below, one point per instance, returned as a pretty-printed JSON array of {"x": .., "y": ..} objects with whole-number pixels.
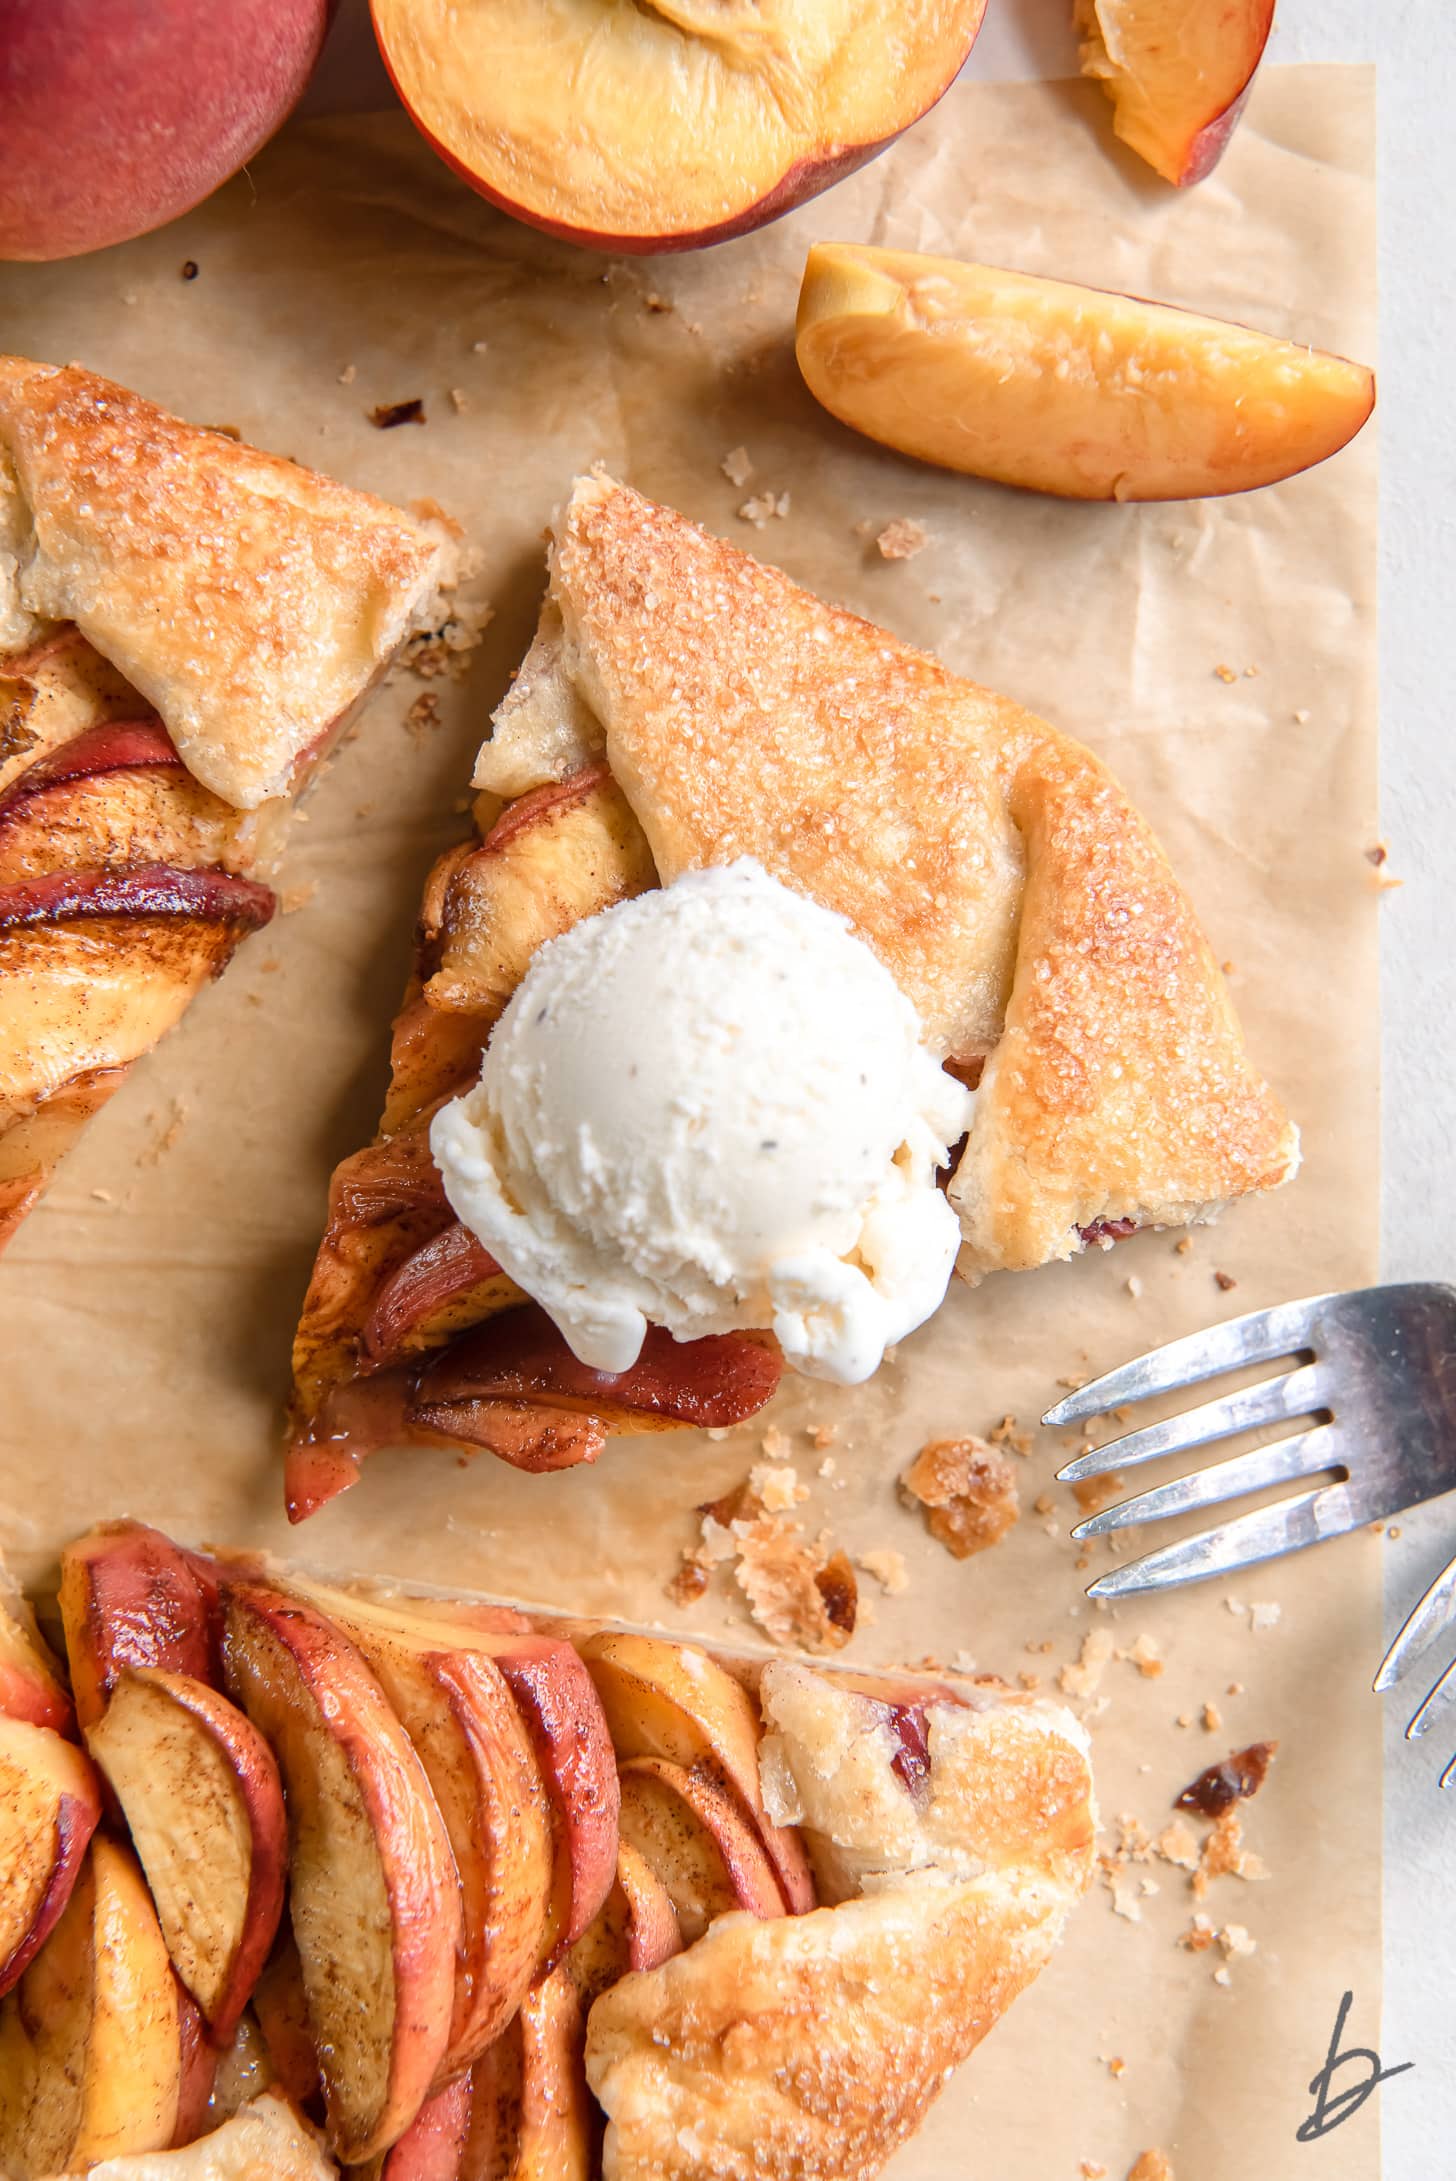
[
  {"x": 672, "y": 1700},
  {"x": 49, "y": 1807},
  {"x": 1177, "y": 73},
  {"x": 373, "y": 1898},
  {"x": 1064, "y": 389},
  {"x": 130, "y": 1597},
  {"x": 30, "y": 1679},
  {"x": 200, "y": 1792},
  {"x": 699, "y": 1841},
  {"x": 90, "y": 2043},
  {"x": 663, "y": 128},
  {"x": 467, "y": 1729}
]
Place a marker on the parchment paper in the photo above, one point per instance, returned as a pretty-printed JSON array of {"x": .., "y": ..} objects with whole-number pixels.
[{"x": 148, "y": 1305}]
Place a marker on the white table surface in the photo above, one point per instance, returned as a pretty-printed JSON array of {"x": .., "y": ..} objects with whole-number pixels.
[{"x": 1413, "y": 43}]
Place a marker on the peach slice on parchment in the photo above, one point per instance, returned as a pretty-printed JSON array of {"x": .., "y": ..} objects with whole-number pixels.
[
  {"x": 1064, "y": 389},
  {"x": 1177, "y": 73},
  {"x": 663, "y": 128}
]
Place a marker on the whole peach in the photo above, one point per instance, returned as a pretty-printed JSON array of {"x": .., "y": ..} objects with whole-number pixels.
[{"x": 117, "y": 115}]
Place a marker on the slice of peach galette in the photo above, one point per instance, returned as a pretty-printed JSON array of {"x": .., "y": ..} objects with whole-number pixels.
[
  {"x": 185, "y": 627},
  {"x": 491, "y": 1897},
  {"x": 773, "y": 924}
]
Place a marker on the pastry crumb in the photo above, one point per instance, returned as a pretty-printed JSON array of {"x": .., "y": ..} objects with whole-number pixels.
[
  {"x": 1117, "y": 2068},
  {"x": 348, "y": 375},
  {"x": 1212, "y": 1718},
  {"x": 775, "y": 1444},
  {"x": 423, "y": 715},
  {"x": 459, "y": 400},
  {"x": 1264, "y": 1616},
  {"x": 1081, "y": 1676},
  {"x": 297, "y": 897},
  {"x": 1008, "y": 1433},
  {"x": 1151, "y": 2166},
  {"x": 1226, "y": 673},
  {"x": 737, "y": 466},
  {"x": 1177, "y": 1844},
  {"x": 764, "y": 507},
  {"x": 887, "y": 1566},
  {"x": 902, "y": 539},
  {"x": 821, "y": 1435},
  {"x": 1225, "y": 1280},
  {"x": 966, "y": 1491},
  {"x": 690, "y": 1581},
  {"x": 1092, "y": 2169},
  {"x": 1092, "y": 1494},
  {"x": 388, "y": 415},
  {"x": 1146, "y": 1654},
  {"x": 1181, "y": 1248},
  {"x": 800, "y": 1592}
]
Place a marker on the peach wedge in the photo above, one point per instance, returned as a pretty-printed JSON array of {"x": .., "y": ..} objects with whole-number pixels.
[
  {"x": 1064, "y": 389},
  {"x": 1177, "y": 73}
]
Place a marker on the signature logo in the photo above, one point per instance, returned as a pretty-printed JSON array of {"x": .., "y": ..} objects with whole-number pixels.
[{"x": 1332, "y": 2106}]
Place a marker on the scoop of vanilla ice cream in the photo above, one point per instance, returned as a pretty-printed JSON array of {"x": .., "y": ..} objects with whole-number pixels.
[{"x": 710, "y": 1108}]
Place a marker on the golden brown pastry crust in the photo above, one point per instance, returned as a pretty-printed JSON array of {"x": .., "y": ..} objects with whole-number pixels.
[
  {"x": 808, "y": 2049},
  {"x": 250, "y": 601},
  {"x": 994, "y": 865}
]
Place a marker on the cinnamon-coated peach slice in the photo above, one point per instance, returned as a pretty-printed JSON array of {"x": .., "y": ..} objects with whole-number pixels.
[
  {"x": 91, "y": 2055},
  {"x": 699, "y": 1841},
  {"x": 31, "y": 1687},
  {"x": 200, "y": 1791},
  {"x": 1064, "y": 389},
  {"x": 49, "y": 1807},
  {"x": 374, "y": 1900},
  {"x": 672, "y": 1700},
  {"x": 458, "y": 1710}
]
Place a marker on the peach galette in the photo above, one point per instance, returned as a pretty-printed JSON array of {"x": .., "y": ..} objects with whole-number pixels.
[
  {"x": 771, "y": 918},
  {"x": 185, "y": 626},
  {"x": 493, "y": 1897}
]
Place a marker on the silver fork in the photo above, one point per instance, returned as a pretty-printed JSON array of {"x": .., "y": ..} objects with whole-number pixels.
[
  {"x": 1375, "y": 1373},
  {"x": 1428, "y": 1620}
]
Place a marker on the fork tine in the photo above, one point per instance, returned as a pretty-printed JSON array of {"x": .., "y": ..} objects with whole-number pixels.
[
  {"x": 1448, "y": 1775},
  {"x": 1426, "y": 1621},
  {"x": 1280, "y": 1462},
  {"x": 1264, "y": 1534},
  {"x": 1297, "y": 1393},
  {"x": 1260, "y": 1336},
  {"x": 1438, "y": 1696}
]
